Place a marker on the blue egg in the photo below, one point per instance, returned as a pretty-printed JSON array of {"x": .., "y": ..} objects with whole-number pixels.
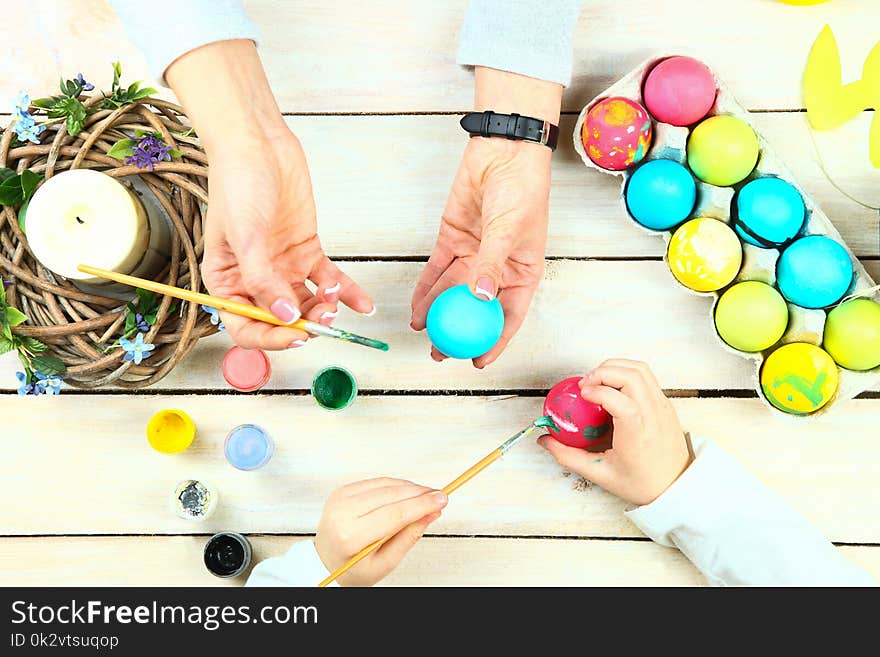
[
  {"x": 814, "y": 272},
  {"x": 770, "y": 212},
  {"x": 661, "y": 194},
  {"x": 462, "y": 325}
]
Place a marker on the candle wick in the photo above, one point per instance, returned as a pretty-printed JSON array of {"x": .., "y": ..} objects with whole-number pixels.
[{"x": 79, "y": 221}]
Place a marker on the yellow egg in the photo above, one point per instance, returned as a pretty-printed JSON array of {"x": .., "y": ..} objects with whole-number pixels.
[
  {"x": 799, "y": 378},
  {"x": 704, "y": 254}
]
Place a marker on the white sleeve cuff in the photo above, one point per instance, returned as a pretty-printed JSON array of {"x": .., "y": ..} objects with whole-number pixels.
[
  {"x": 738, "y": 532},
  {"x": 301, "y": 566},
  {"x": 521, "y": 36},
  {"x": 170, "y": 28}
]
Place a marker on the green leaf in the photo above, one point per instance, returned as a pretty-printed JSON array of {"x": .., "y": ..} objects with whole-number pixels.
[
  {"x": 122, "y": 148},
  {"x": 10, "y": 191},
  {"x": 22, "y": 213},
  {"x": 117, "y": 72},
  {"x": 48, "y": 364},
  {"x": 6, "y": 345},
  {"x": 29, "y": 182},
  {"x": 33, "y": 345},
  {"x": 14, "y": 316},
  {"x": 174, "y": 153},
  {"x": 6, "y": 173},
  {"x": 46, "y": 103},
  {"x": 76, "y": 118}
]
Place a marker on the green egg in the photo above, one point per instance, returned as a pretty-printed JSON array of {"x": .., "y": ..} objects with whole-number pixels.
[
  {"x": 751, "y": 316},
  {"x": 852, "y": 334}
]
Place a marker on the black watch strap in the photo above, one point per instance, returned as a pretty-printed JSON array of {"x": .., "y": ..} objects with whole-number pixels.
[{"x": 511, "y": 126}]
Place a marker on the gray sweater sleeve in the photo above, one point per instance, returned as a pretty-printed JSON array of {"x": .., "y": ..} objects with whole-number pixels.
[
  {"x": 522, "y": 36},
  {"x": 166, "y": 29}
]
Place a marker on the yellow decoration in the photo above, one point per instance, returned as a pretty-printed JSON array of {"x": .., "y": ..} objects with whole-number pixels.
[
  {"x": 171, "y": 431},
  {"x": 829, "y": 102},
  {"x": 704, "y": 254},
  {"x": 799, "y": 378}
]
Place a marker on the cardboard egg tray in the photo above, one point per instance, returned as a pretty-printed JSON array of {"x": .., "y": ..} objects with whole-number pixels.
[{"x": 759, "y": 264}]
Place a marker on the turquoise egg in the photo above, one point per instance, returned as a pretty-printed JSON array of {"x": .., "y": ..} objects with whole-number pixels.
[
  {"x": 770, "y": 212},
  {"x": 814, "y": 272},
  {"x": 661, "y": 194},
  {"x": 462, "y": 325}
]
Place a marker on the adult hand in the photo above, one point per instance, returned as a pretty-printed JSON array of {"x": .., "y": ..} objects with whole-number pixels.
[
  {"x": 649, "y": 450},
  {"x": 493, "y": 232},
  {"x": 261, "y": 241},
  {"x": 366, "y": 511}
]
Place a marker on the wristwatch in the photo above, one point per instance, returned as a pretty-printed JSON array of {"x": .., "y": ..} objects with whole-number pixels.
[{"x": 511, "y": 126}]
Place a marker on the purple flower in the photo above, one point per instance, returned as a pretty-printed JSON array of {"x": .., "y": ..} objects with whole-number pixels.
[
  {"x": 149, "y": 150},
  {"x": 141, "y": 323},
  {"x": 87, "y": 86}
]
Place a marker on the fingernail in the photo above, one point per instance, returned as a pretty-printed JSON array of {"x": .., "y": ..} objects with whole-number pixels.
[
  {"x": 296, "y": 343},
  {"x": 542, "y": 441},
  {"x": 485, "y": 288},
  {"x": 372, "y": 312},
  {"x": 330, "y": 292},
  {"x": 440, "y": 498},
  {"x": 284, "y": 310},
  {"x": 328, "y": 317}
]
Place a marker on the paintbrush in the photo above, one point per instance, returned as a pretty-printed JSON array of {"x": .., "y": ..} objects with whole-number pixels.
[
  {"x": 449, "y": 488},
  {"x": 243, "y": 309}
]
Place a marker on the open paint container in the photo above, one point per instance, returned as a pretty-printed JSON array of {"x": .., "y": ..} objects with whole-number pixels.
[
  {"x": 671, "y": 187},
  {"x": 334, "y": 388},
  {"x": 194, "y": 500},
  {"x": 248, "y": 447},
  {"x": 227, "y": 554},
  {"x": 171, "y": 431}
]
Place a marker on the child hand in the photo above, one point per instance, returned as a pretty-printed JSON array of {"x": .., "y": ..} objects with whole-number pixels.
[
  {"x": 649, "y": 450},
  {"x": 363, "y": 512}
]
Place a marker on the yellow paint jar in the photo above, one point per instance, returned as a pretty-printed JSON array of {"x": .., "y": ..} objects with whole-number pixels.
[{"x": 171, "y": 431}]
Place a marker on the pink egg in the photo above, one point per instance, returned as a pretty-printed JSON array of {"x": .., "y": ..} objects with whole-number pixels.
[
  {"x": 616, "y": 133},
  {"x": 581, "y": 423},
  {"x": 680, "y": 91}
]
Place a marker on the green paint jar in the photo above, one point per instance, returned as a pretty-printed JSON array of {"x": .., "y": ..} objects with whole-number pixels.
[{"x": 334, "y": 388}]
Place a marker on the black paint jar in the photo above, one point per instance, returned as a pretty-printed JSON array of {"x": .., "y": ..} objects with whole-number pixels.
[{"x": 227, "y": 554}]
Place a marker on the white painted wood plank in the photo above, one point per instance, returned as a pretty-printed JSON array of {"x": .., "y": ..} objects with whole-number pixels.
[
  {"x": 583, "y": 313},
  {"x": 389, "y": 55},
  {"x": 435, "y": 561},
  {"x": 376, "y": 200},
  {"x": 81, "y": 464}
]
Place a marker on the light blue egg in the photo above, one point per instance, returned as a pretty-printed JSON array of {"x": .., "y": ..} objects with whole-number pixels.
[
  {"x": 661, "y": 194},
  {"x": 462, "y": 325},
  {"x": 814, "y": 272},
  {"x": 770, "y": 212}
]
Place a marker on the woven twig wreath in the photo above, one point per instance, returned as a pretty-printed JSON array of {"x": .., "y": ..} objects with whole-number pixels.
[{"x": 77, "y": 326}]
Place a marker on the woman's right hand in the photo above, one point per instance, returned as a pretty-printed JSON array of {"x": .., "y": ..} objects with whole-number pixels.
[{"x": 261, "y": 241}]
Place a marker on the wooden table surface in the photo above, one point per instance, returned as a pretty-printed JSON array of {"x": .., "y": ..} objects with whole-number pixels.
[{"x": 85, "y": 498}]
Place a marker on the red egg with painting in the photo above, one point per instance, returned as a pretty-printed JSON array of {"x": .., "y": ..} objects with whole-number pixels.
[
  {"x": 581, "y": 423},
  {"x": 617, "y": 133}
]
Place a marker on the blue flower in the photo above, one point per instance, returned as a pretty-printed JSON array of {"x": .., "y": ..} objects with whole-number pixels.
[
  {"x": 87, "y": 86},
  {"x": 25, "y": 388},
  {"x": 22, "y": 105},
  {"x": 50, "y": 385},
  {"x": 28, "y": 131},
  {"x": 141, "y": 323},
  {"x": 215, "y": 317},
  {"x": 136, "y": 350}
]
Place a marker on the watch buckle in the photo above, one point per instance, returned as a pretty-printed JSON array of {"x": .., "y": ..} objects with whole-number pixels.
[{"x": 545, "y": 133}]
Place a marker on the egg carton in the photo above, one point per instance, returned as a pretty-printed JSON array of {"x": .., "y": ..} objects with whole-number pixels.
[{"x": 759, "y": 264}]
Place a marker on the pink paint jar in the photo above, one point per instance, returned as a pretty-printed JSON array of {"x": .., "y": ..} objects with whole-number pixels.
[{"x": 246, "y": 370}]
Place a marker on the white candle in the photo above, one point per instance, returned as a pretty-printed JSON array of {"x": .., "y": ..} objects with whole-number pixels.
[{"x": 84, "y": 216}]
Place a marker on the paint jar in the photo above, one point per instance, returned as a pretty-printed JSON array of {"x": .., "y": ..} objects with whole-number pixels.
[
  {"x": 334, "y": 388},
  {"x": 194, "y": 500},
  {"x": 248, "y": 447},
  {"x": 227, "y": 554},
  {"x": 246, "y": 370},
  {"x": 170, "y": 431}
]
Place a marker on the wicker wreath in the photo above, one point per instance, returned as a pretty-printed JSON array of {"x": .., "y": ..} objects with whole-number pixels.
[{"x": 76, "y": 326}]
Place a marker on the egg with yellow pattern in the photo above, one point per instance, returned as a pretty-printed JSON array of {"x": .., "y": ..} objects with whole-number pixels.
[
  {"x": 704, "y": 254},
  {"x": 799, "y": 378},
  {"x": 617, "y": 133}
]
